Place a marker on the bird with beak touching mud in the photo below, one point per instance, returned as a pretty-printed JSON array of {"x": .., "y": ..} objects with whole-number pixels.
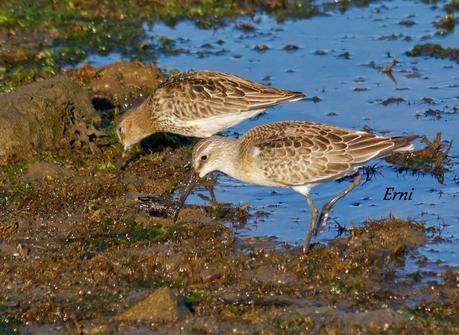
[
  {"x": 295, "y": 154},
  {"x": 198, "y": 104}
]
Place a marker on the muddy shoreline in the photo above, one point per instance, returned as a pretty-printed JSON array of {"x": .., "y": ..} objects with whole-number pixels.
[{"x": 80, "y": 252}]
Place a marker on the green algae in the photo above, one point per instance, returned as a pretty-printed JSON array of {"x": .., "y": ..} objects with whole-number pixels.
[
  {"x": 72, "y": 30},
  {"x": 392, "y": 100},
  {"x": 343, "y": 287},
  {"x": 107, "y": 166},
  {"x": 153, "y": 283},
  {"x": 195, "y": 297},
  {"x": 453, "y": 6},
  {"x": 446, "y": 24},
  {"x": 344, "y": 5},
  {"x": 432, "y": 315},
  {"x": 299, "y": 10},
  {"x": 12, "y": 187},
  {"x": 9, "y": 326},
  {"x": 125, "y": 238},
  {"x": 146, "y": 234},
  {"x": 434, "y": 50},
  {"x": 111, "y": 135},
  {"x": 62, "y": 34},
  {"x": 293, "y": 323}
]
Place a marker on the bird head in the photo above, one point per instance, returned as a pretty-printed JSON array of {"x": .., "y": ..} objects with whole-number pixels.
[
  {"x": 208, "y": 155},
  {"x": 131, "y": 128}
]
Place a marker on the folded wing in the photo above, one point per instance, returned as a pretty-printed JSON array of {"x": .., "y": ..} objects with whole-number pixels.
[
  {"x": 206, "y": 94},
  {"x": 295, "y": 153}
]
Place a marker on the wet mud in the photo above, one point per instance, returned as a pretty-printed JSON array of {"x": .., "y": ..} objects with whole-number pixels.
[{"x": 82, "y": 252}]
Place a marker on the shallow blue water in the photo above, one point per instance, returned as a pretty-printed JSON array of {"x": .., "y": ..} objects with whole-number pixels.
[{"x": 352, "y": 90}]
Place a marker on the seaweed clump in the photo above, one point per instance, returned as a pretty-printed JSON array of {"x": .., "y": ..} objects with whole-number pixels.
[
  {"x": 432, "y": 159},
  {"x": 434, "y": 50}
]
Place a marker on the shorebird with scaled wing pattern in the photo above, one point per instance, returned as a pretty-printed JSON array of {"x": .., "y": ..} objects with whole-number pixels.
[
  {"x": 198, "y": 104},
  {"x": 294, "y": 154}
]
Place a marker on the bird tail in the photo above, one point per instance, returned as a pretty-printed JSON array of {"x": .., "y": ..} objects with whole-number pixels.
[
  {"x": 296, "y": 96},
  {"x": 403, "y": 143},
  {"x": 272, "y": 97}
]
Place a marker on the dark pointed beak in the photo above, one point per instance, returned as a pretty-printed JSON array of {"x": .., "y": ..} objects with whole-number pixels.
[
  {"x": 194, "y": 179},
  {"x": 126, "y": 157},
  {"x": 123, "y": 160}
]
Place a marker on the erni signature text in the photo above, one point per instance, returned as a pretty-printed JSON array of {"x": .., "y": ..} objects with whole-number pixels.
[{"x": 391, "y": 194}]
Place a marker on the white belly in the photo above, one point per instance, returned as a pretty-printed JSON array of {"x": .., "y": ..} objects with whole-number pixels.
[{"x": 215, "y": 124}]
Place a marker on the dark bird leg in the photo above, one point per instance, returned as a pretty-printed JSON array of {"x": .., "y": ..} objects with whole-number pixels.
[
  {"x": 314, "y": 216},
  {"x": 194, "y": 179},
  {"x": 325, "y": 213},
  {"x": 210, "y": 188}
]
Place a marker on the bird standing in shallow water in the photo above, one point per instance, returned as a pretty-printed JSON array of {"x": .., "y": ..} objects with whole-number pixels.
[
  {"x": 294, "y": 154},
  {"x": 199, "y": 104}
]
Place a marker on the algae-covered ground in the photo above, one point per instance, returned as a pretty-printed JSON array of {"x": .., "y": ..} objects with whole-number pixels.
[
  {"x": 84, "y": 249},
  {"x": 78, "y": 249}
]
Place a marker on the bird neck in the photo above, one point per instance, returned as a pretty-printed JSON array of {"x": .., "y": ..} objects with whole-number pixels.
[
  {"x": 229, "y": 159},
  {"x": 144, "y": 121}
]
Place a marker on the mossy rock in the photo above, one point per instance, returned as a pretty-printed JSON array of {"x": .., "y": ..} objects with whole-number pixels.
[
  {"x": 118, "y": 83},
  {"x": 44, "y": 116}
]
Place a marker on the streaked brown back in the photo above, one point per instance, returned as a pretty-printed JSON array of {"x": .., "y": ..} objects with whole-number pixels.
[
  {"x": 202, "y": 94},
  {"x": 295, "y": 152}
]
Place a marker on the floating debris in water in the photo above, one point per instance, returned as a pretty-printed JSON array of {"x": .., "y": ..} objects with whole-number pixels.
[
  {"x": 360, "y": 89},
  {"x": 291, "y": 47},
  {"x": 434, "y": 50},
  {"x": 428, "y": 100},
  {"x": 345, "y": 55},
  {"x": 245, "y": 27},
  {"x": 394, "y": 37},
  {"x": 320, "y": 52},
  {"x": 315, "y": 99},
  {"x": 392, "y": 100},
  {"x": 432, "y": 159},
  {"x": 261, "y": 47},
  {"x": 446, "y": 24},
  {"x": 389, "y": 68},
  {"x": 436, "y": 113},
  {"x": 407, "y": 22}
]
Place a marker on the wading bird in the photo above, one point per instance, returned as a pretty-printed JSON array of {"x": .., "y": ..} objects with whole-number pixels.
[
  {"x": 294, "y": 154},
  {"x": 198, "y": 104}
]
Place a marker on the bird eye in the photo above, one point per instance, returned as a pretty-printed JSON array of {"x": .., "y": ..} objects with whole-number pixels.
[
  {"x": 120, "y": 129},
  {"x": 204, "y": 157}
]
